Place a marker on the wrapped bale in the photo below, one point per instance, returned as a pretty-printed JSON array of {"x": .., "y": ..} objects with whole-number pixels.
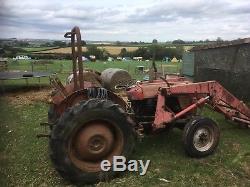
[{"x": 112, "y": 77}]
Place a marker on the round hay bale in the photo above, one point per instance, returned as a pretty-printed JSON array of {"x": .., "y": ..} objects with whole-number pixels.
[{"x": 111, "y": 77}]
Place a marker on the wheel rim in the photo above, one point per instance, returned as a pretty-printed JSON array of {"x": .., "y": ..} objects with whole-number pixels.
[
  {"x": 93, "y": 142},
  {"x": 203, "y": 139}
]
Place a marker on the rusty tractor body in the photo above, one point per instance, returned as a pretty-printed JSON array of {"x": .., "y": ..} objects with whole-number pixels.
[{"x": 90, "y": 123}]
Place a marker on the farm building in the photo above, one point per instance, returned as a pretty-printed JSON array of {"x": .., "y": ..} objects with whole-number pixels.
[
  {"x": 138, "y": 58},
  {"x": 227, "y": 62}
]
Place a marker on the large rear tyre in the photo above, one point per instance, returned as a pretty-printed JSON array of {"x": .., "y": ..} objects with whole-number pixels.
[
  {"x": 200, "y": 137},
  {"x": 85, "y": 135},
  {"x": 52, "y": 116}
]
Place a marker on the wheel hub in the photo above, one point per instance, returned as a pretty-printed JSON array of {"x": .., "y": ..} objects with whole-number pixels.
[
  {"x": 203, "y": 139},
  {"x": 96, "y": 144},
  {"x": 93, "y": 142}
]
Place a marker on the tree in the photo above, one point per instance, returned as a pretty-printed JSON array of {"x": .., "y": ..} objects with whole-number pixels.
[
  {"x": 118, "y": 43},
  {"x": 98, "y": 53},
  {"x": 59, "y": 44},
  {"x": 154, "y": 41},
  {"x": 219, "y": 40},
  {"x": 9, "y": 51},
  {"x": 47, "y": 44},
  {"x": 142, "y": 52},
  {"x": 178, "y": 41},
  {"x": 22, "y": 44},
  {"x": 123, "y": 52},
  {"x": 83, "y": 43}
]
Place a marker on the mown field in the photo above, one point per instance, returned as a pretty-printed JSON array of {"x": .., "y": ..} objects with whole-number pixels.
[{"x": 24, "y": 159}]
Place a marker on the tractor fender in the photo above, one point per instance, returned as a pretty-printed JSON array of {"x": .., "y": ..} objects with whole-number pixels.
[{"x": 83, "y": 94}]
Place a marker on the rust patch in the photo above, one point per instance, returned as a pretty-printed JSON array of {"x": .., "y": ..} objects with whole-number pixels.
[{"x": 228, "y": 96}]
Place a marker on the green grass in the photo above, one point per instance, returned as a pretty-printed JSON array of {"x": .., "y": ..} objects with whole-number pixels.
[
  {"x": 66, "y": 65},
  {"x": 24, "y": 159},
  {"x": 63, "y": 68}
]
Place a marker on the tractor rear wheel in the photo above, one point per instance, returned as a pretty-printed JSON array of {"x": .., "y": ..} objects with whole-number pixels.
[
  {"x": 85, "y": 135},
  {"x": 52, "y": 116},
  {"x": 201, "y": 137}
]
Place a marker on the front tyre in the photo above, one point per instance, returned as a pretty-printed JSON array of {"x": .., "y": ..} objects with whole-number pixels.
[
  {"x": 85, "y": 135},
  {"x": 200, "y": 137}
]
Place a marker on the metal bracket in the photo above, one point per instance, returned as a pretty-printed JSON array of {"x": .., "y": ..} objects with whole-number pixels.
[{"x": 45, "y": 135}]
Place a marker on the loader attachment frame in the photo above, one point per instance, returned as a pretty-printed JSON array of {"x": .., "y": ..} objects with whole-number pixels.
[{"x": 211, "y": 93}]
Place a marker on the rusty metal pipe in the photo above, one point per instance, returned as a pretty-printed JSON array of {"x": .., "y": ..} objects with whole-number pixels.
[
  {"x": 74, "y": 60},
  {"x": 191, "y": 107},
  {"x": 241, "y": 120},
  {"x": 75, "y": 36},
  {"x": 79, "y": 56}
]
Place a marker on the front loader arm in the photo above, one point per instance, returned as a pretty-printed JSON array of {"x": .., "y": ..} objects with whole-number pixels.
[
  {"x": 210, "y": 92},
  {"x": 220, "y": 98}
]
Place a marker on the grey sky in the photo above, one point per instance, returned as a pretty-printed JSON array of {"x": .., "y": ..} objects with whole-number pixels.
[{"x": 130, "y": 20}]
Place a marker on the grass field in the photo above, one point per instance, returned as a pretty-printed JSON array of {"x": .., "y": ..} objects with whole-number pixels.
[
  {"x": 63, "y": 68},
  {"x": 24, "y": 160}
]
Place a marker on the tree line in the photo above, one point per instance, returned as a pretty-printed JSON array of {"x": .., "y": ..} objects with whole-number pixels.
[{"x": 157, "y": 51}]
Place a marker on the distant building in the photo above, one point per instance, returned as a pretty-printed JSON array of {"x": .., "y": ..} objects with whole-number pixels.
[
  {"x": 92, "y": 58},
  {"x": 22, "y": 57},
  {"x": 119, "y": 58},
  {"x": 138, "y": 58},
  {"x": 85, "y": 59}
]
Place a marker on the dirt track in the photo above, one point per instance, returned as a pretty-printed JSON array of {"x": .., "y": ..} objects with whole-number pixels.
[{"x": 28, "y": 97}]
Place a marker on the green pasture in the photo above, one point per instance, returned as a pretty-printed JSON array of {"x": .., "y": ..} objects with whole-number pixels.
[{"x": 63, "y": 68}]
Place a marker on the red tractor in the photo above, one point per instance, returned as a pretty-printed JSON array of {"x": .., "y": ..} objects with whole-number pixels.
[{"x": 90, "y": 123}]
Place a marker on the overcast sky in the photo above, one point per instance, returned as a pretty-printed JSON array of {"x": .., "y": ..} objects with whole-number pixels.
[{"x": 130, "y": 20}]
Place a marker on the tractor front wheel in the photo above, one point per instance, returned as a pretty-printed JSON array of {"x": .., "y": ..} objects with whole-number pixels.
[
  {"x": 85, "y": 135},
  {"x": 201, "y": 137}
]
